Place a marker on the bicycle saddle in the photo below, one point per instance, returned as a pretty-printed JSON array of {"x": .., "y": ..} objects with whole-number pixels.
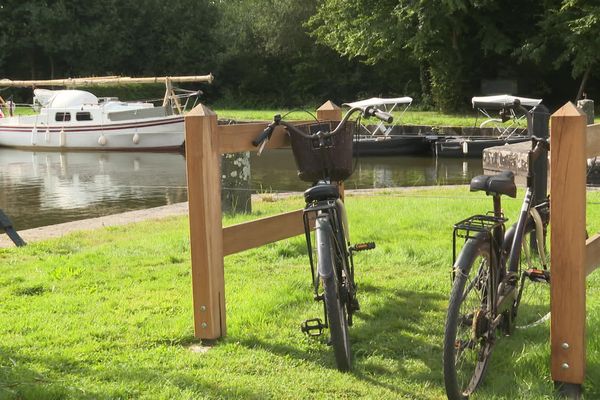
[
  {"x": 322, "y": 191},
  {"x": 503, "y": 183}
]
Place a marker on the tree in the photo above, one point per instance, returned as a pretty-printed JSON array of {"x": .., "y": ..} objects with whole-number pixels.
[
  {"x": 449, "y": 39},
  {"x": 568, "y": 33}
]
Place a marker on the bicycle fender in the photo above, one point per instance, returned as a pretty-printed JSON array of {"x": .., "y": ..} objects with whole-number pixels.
[
  {"x": 344, "y": 217},
  {"x": 469, "y": 252}
]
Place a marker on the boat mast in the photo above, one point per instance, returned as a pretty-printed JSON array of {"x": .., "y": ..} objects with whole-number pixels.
[
  {"x": 170, "y": 97},
  {"x": 105, "y": 81}
]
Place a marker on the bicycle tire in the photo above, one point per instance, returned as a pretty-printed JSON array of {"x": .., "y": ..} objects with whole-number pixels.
[
  {"x": 468, "y": 336},
  {"x": 335, "y": 305}
]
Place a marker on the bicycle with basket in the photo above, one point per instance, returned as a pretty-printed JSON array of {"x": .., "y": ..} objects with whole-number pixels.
[{"x": 323, "y": 155}]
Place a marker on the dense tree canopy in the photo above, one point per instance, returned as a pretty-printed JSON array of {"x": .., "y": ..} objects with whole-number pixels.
[{"x": 289, "y": 52}]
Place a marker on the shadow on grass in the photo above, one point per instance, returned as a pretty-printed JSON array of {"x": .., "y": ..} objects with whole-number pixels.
[
  {"x": 18, "y": 381},
  {"x": 383, "y": 337}
]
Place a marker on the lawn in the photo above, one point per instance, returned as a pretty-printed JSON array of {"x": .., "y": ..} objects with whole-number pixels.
[
  {"x": 107, "y": 314},
  {"x": 429, "y": 118}
]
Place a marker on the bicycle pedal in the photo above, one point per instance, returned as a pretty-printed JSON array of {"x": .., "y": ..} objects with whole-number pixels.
[
  {"x": 313, "y": 327},
  {"x": 363, "y": 246},
  {"x": 538, "y": 275}
]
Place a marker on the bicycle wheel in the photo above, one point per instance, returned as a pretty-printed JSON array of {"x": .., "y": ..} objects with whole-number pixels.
[
  {"x": 469, "y": 336},
  {"x": 335, "y": 305},
  {"x": 532, "y": 306}
]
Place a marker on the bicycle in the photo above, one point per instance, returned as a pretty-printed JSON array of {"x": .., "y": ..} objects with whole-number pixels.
[
  {"x": 324, "y": 157},
  {"x": 490, "y": 275}
]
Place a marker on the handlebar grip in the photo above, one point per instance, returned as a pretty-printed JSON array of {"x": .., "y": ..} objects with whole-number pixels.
[
  {"x": 266, "y": 134},
  {"x": 384, "y": 116}
]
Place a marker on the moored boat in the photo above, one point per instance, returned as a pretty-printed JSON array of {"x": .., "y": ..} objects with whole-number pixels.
[
  {"x": 72, "y": 119},
  {"x": 511, "y": 110},
  {"x": 387, "y": 140},
  {"x": 457, "y": 146}
]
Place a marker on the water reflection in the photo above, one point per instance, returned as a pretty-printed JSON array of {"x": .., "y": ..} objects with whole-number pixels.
[
  {"x": 275, "y": 170},
  {"x": 43, "y": 188}
]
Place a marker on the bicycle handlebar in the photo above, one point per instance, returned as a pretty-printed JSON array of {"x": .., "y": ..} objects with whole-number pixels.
[
  {"x": 369, "y": 111},
  {"x": 267, "y": 132}
]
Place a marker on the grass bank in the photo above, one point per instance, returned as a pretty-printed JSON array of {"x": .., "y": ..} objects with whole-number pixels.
[
  {"x": 410, "y": 117},
  {"x": 107, "y": 314},
  {"x": 430, "y": 118}
]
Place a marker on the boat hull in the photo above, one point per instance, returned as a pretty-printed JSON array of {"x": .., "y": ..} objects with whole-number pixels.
[
  {"x": 391, "y": 145},
  {"x": 469, "y": 147},
  {"x": 156, "y": 134}
]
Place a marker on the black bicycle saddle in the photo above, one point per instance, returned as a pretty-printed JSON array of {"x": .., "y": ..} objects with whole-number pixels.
[{"x": 503, "y": 183}]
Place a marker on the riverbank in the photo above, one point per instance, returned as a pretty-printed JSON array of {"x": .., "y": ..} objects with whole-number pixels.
[
  {"x": 156, "y": 213},
  {"x": 107, "y": 313}
]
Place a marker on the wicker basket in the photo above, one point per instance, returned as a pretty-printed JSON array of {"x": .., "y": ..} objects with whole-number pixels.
[{"x": 330, "y": 158}]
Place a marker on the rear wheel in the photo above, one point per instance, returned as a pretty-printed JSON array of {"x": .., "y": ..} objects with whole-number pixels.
[
  {"x": 469, "y": 336},
  {"x": 335, "y": 302}
]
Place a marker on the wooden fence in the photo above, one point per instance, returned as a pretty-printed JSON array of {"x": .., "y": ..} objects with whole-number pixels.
[
  {"x": 205, "y": 141},
  {"x": 572, "y": 256}
]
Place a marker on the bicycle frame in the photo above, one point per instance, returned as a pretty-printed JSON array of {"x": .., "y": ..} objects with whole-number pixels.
[{"x": 505, "y": 246}]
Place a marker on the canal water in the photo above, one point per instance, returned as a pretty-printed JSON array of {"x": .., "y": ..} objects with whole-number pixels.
[{"x": 44, "y": 188}]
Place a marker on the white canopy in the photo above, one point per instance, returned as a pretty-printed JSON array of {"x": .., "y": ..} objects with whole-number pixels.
[
  {"x": 376, "y": 101},
  {"x": 503, "y": 100},
  {"x": 64, "y": 98}
]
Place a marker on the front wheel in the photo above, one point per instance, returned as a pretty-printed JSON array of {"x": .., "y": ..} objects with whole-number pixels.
[
  {"x": 335, "y": 304},
  {"x": 469, "y": 334}
]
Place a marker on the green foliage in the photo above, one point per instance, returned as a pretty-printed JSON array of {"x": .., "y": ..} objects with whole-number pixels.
[
  {"x": 569, "y": 31},
  {"x": 294, "y": 53}
]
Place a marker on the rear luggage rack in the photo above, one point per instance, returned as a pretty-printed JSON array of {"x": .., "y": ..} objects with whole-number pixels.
[
  {"x": 476, "y": 226},
  {"x": 477, "y": 223}
]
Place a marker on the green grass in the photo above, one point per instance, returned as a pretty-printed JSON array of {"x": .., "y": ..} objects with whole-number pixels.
[
  {"x": 107, "y": 314},
  {"x": 428, "y": 118}
]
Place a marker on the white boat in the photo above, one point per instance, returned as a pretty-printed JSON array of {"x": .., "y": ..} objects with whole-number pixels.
[{"x": 74, "y": 119}]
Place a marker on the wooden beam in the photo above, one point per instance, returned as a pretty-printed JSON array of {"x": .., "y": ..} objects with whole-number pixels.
[
  {"x": 105, "y": 80},
  {"x": 259, "y": 232},
  {"x": 592, "y": 254},
  {"x": 592, "y": 148},
  {"x": 568, "y": 256},
  {"x": 206, "y": 240}
]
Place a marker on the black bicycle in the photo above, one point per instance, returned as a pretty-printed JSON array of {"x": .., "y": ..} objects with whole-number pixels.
[
  {"x": 323, "y": 155},
  {"x": 498, "y": 278}
]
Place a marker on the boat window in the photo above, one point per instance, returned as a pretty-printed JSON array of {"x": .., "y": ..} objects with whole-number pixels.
[
  {"x": 83, "y": 116},
  {"x": 63, "y": 116}
]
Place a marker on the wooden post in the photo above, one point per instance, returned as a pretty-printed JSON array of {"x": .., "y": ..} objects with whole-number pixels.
[
  {"x": 329, "y": 111},
  {"x": 568, "y": 255},
  {"x": 206, "y": 231}
]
